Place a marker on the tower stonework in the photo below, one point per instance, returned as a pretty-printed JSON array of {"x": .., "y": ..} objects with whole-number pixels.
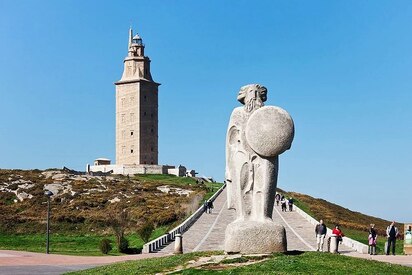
[{"x": 136, "y": 109}]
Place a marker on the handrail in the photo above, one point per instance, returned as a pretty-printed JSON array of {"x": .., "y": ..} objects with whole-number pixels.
[{"x": 161, "y": 241}]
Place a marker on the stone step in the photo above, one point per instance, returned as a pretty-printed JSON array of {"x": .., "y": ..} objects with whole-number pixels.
[{"x": 208, "y": 232}]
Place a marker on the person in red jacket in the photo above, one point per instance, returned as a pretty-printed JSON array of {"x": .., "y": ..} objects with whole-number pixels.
[{"x": 339, "y": 234}]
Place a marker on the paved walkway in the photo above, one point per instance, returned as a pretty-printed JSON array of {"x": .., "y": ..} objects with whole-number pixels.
[
  {"x": 21, "y": 262},
  {"x": 208, "y": 233},
  {"x": 397, "y": 259}
]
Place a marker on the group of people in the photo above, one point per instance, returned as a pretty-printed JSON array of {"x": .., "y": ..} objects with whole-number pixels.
[
  {"x": 284, "y": 202},
  {"x": 320, "y": 231},
  {"x": 392, "y": 234}
]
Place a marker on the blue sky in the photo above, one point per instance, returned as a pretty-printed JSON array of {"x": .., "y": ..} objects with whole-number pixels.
[{"x": 342, "y": 69}]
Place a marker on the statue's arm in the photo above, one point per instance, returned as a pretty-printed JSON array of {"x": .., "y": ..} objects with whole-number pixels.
[
  {"x": 231, "y": 137},
  {"x": 229, "y": 149}
]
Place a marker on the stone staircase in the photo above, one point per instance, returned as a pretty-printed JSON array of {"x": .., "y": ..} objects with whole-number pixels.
[{"x": 208, "y": 232}]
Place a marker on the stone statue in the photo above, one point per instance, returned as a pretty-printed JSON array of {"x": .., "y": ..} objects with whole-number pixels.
[{"x": 256, "y": 136}]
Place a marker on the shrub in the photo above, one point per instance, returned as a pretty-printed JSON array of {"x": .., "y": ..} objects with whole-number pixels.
[
  {"x": 123, "y": 245},
  {"x": 145, "y": 231},
  {"x": 118, "y": 221},
  {"x": 105, "y": 246}
]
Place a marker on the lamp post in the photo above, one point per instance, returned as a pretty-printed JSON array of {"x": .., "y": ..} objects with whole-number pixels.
[{"x": 48, "y": 194}]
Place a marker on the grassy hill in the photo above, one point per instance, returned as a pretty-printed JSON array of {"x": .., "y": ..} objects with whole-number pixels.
[
  {"x": 83, "y": 207},
  {"x": 86, "y": 205}
]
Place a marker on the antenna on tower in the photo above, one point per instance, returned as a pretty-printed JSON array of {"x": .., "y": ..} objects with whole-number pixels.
[{"x": 130, "y": 35}]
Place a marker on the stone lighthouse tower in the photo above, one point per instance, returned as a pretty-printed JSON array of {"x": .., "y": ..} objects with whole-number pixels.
[{"x": 136, "y": 109}]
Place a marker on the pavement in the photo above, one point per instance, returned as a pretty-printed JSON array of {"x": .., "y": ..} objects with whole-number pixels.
[
  {"x": 405, "y": 260},
  {"x": 22, "y": 262},
  {"x": 207, "y": 233}
]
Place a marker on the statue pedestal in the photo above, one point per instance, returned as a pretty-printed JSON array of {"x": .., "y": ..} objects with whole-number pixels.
[{"x": 253, "y": 237}]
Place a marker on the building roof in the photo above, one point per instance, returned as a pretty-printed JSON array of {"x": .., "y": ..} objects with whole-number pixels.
[{"x": 102, "y": 159}]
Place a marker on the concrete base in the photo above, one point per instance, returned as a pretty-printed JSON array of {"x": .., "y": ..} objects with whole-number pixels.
[
  {"x": 334, "y": 244},
  {"x": 252, "y": 237},
  {"x": 178, "y": 244}
]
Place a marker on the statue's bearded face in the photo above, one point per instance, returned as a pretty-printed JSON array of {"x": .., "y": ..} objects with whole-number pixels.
[{"x": 252, "y": 96}]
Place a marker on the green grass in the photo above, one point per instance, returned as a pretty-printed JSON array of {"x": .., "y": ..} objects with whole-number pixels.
[
  {"x": 165, "y": 179},
  {"x": 304, "y": 207},
  {"x": 305, "y": 263},
  {"x": 62, "y": 244},
  {"x": 69, "y": 244},
  {"x": 147, "y": 266},
  {"x": 212, "y": 187}
]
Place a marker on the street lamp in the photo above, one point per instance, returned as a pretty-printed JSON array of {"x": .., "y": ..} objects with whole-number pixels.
[{"x": 48, "y": 194}]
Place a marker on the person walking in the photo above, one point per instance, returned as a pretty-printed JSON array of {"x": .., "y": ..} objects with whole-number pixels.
[
  {"x": 210, "y": 206},
  {"x": 205, "y": 206},
  {"x": 320, "y": 231},
  {"x": 283, "y": 203},
  {"x": 392, "y": 233},
  {"x": 290, "y": 203},
  {"x": 277, "y": 198},
  {"x": 372, "y": 240},
  {"x": 339, "y": 236}
]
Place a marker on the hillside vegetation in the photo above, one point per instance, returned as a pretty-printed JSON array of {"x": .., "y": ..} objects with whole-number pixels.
[
  {"x": 334, "y": 214},
  {"x": 84, "y": 204}
]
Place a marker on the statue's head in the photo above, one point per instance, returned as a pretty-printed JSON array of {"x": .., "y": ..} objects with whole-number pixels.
[{"x": 252, "y": 96}]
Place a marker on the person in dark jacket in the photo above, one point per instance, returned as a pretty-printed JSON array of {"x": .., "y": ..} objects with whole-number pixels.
[
  {"x": 205, "y": 204},
  {"x": 277, "y": 198},
  {"x": 283, "y": 203},
  {"x": 392, "y": 233},
  {"x": 290, "y": 203},
  {"x": 210, "y": 206},
  {"x": 320, "y": 231}
]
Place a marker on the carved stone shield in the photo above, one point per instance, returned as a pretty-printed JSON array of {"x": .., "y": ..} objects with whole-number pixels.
[{"x": 270, "y": 131}]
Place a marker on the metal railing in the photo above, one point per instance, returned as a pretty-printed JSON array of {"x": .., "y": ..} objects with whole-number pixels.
[{"x": 157, "y": 244}]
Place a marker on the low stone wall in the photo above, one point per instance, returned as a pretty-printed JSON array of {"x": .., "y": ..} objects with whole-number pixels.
[
  {"x": 131, "y": 169},
  {"x": 358, "y": 246},
  {"x": 157, "y": 244}
]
